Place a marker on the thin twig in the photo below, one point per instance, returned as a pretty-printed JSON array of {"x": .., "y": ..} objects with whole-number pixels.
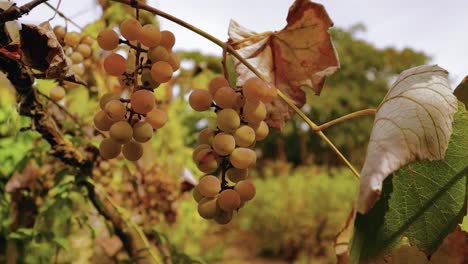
[
  {"x": 224, "y": 61},
  {"x": 371, "y": 111},
  {"x": 62, "y": 15},
  {"x": 15, "y": 12}
]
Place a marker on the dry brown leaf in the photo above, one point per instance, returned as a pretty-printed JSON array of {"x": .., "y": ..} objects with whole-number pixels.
[
  {"x": 300, "y": 55},
  {"x": 342, "y": 240},
  {"x": 23, "y": 179},
  {"x": 461, "y": 92}
]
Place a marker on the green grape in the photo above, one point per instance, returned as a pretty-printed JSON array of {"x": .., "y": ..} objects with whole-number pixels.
[
  {"x": 197, "y": 196},
  {"x": 161, "y": 71},
  {"x": 225, "y": 97},
  {"x": 217, "y": 83},
  {"x": 223, "y": 217},
  {"x": 156, "y": 118},
  {"x": 246, "y": 190},
  {"x": 142, "y": 101},
  {"x": 72, "y": 38},
  {"x": 209, "y": 186},
  {"x": 57, "y": 93},
  {"x": 121, "y": 132},
  {"x": 174, "y": 61},
  {"x": 244, "y": 136},
  {"x": 130, "y": 29},
  {"x": 142, "y": 131},
  {"x": 261, "y": 130},
  {"x": 150, "y": 36},
  {"x": 242, "y": 158},
  {"x": 115, "y": 64},
  {"x": 109, "y": 149},
  {"x": 200, "y": 100},
  {"x": 254, "y": 88},
  {"x": 236, "y": 175},
  {"x": 228, "y": 120},
  {"x": 229, "y": 200},
  {"x": 132, "y": 150},
  {"x": 207, "y": 208},
  {"x": 254, "y": 111},
  {"x": 206, "y": 160},
  {"x": 107, "y": 39},
  {"x": 206, "y": 136},
  {"x": 87, "y": 40},
  {"x": 76, "y": 57},
  {"x": 84, "y": 50},
  {"x": 116, "y": 110},
  {"x": 102, "y": 121},
  {"x": 106, "y": 98},
  {"x": 223, "y": 144},
  {"x": 158, "y": 53},
  {"x": 167, "y": 39}
]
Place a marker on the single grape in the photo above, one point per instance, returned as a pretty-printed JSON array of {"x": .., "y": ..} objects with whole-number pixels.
[
  {"x": 156, "y": 118},
  {"x": 130, "y": 29},
  {"x": 142, "y": 131},
  {"x": 270, "y": 94},
  {"x": 150, "y": 36},
  {"x": 87, "y": 40},
  {"x": 174, "y": 61},
  {"x": 57, "y": 93},
  {"x": 236, "y": 175},
  {"x": 197, "y": 196},
  {"x": 167, "y": 39},
  {"x": 115, "y": 64},
  {"x": 209, "y": 186},
  {"x": 217, "y": 83},
  {"x": 60, "y": 32},
  {"x": 121, "y": 132},
  {"x": 223, "y": 144},
  {"x": 76, "y": 57},
  {"x": 261, "y": 130},
  {"x": 229, "y": 200},
  {"x": 158, "y": 53},
  {"x": 107, "y": 39},
  {"x": 206, "y": 136},
  {"x": 84, "y": 49},
  {"x": 72, "y": 38},
  {"x": 254, "y": 88},
  {"x": 246, "y": 190},
  {"x": 132, "y": 151},
  {"x": 242, "y": 158},
  {"x": 225, "y": 97},
  {"x": 254, "y": 111},
  {"x": 223, "y": 217},
  {"x": 207, "y": 160},
  {"x": 142, "y": 101},
  {"x": 207, "y": 208},
  {"x": 109, "y": 148},
  {"x": 106, "y": 98},
  {"x": 78, "y": 69},
  {"x": 102, "y": 121},
  {"x": 244, "y": 136},
  {"x": 161, "y": 71},
  {"x": 116, "y": 110},
  {"x": 198, "y": 149},
  {"x": 200, "y": 100},
  {"x": 228, "y": 120}
]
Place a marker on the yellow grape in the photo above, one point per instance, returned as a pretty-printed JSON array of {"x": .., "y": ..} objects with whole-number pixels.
[
  {"x": 150, "y": 36},
  {"x": 142, "y": 101},
  {"x": 244, "y": 136},
  {"x": 78, "y": 69},
  {"x": 229, "y": 200},
  {"x": 225, "y": 97},
  {"x": 102, "y": 121},
  {"x": 236, "y": 175},
  {"x": 206, "y": 160},
  {"x": 72, "y": 38},
  {"x": 198, "y": 149},
  {"x": 130, "y": 29},
  {"x": 209, "y": 186},
  {"x": 87, "y": 40},
  {"x": 156, "y": 118},
  {"x": 254, "y": 111},
  {"x": 206, "y": 136},
  {"x": 240, "y": 101},
  {"x": 121, "y": 132},
  {"x": 161, "y": 71},
  {"x": 158, "y": 53},
  {"x": 76, "y": 57},
  {"x": 223, "y": 144},
  {"x": 109, "y": 148},
  {"x": 254, "y": 88},
  {"x": 207, "y": 208},
  {"x": 147, "y": 81},
  {"x": 107, "y": 39},
  {"x": 270, "y": 94},
  {"x": 132, "y": 150},
  {"x": 217, "y": 83},
  {"x": 142, "y": 131},
  {"x": 242, "y": 158},
  {"x": 167, "y": 39},
  {"x": 200, "y": 100},
  {"x": 116, "y": 110},
  {"x": 57, "y": 93},
  {"x": 197, "y": 196},
  {"x": 261, "y": 130},
  {"x": 246, "y": 190},
  {"x": 174, "y": 61},
  {"x": 106, "y": 98},
  {"x": 84, "y": 50},
  {"x": 115, "y": 64},
  {"x": 60, "y": 32},
  {"x": 223, "y": 217},
  {"x": 228, "y": 120}
]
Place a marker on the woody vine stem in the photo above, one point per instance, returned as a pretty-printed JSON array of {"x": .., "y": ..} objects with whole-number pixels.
[{"x": 229, "y": 49}]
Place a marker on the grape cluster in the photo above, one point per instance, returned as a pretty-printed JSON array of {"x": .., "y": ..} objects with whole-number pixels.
[
  {"x": 131, "y": 122},
  {"x": 228, "y": 148}
]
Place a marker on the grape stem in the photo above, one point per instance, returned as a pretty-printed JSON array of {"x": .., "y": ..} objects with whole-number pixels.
[
  {"x": 62, "y": 15},
  {"x": 352, "y": 115},
  {"x": 234, "y": 53}
]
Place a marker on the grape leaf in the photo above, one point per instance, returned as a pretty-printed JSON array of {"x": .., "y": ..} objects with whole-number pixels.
[
  {"x": 413, "y": 122},
  {"x": 300, "y": 55},
  {"x": 423, "y": 201},
  {"x": 461, "y": 92}
]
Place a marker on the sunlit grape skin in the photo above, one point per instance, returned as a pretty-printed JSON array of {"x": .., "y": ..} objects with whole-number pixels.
[
  {"x": 106, "y": 98},
  {"x": 161, "y": 71},
  {"x": 246, "y": 190},
  {"x": 132, "y": 150},
  {"x": 223, "y": 144},
  {"x": 57, "y": 93},
  {"x": 236, "y": 175},
  {"x": 102, "y": 121},
  {"x": 116, "y": 110},
  {"x": 228, "y": 120},
  {"x": 244, "y": 136},
  {"x": 229, "y": 200},
  {"x": 225, "y": 97},
  {"x": 200, "y": 100},
  {"x": 217, "y": 83},
  {"x": 206, "y": 136},
  {"x": 130, "y": 29},
  {"x": 242, "y": 158},
  {"x": 142, "y": 101},
  {"x": 209, "y": 186},
  {"x": 115, "y": 64},
  {"x": 121, "y": 132},
  {"x": 156, "y": 118},
  {"x": 207, "y": 208},
  {"x": 150, "y": 36},
  {"x": 107, "y": 39},
  {"x": 142, "y": 131},
  {"x": 109, "y": 149},
  {"x": 167, "y": 39}
]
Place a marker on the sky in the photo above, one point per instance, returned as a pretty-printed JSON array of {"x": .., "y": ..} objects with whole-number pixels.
[{"x": 439, "y": 28}]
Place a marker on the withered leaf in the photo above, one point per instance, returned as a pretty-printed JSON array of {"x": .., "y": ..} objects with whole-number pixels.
[
  {"x": 23, "y": 179},
  {"x": 299, "y": 56},
  {"x": 461, "y": 92}
]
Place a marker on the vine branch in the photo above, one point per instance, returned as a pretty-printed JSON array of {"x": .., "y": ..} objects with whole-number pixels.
[
  {"x": 15, "y": 12},
  {"x": 359, "y": 113}
]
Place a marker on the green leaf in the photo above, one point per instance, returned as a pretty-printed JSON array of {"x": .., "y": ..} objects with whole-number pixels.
[
  {"x": 422, "y": 201},
  {"x": 62, "y": 243}
]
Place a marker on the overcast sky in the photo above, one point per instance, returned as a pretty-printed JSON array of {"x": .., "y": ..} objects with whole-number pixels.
[{"x": 439, "y": 28}]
